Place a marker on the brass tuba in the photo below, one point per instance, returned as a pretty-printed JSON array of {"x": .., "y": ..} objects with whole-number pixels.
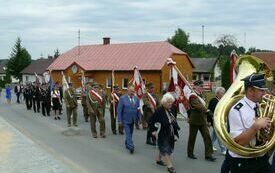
[{"x": 245, "y": 66}]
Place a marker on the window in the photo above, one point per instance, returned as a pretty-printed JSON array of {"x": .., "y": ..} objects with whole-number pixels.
[
  {"x": 206, "y": 77},
  {"x": 124, "y": 83},
  {"x": 27, "y": 78},
  {"x": 108, "y": 82}
]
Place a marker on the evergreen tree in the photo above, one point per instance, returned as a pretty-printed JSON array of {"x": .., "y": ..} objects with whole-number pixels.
[
  {"x": 19, "y": 59},
  {"x": 226, "y": 74}
]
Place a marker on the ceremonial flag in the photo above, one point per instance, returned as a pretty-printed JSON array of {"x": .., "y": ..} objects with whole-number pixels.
[
  {"x": 37, "y": 82},
  {"x": 65, "y": 84},
  {"x": 180, "y": 88},
  {"x": 138, "y": 83},
  {"x": 232, "y": 64},
  {"x": 139, "y": 87},
  {"x": 51, "y": 84}
]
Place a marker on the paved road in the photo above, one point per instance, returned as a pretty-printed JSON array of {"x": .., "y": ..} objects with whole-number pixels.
[{"x": 84, "y": 154}]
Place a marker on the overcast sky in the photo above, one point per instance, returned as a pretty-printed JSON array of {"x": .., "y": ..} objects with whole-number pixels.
[{"x": 46, "y": 25}]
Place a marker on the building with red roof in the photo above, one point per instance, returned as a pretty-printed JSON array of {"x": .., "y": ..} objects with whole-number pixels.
[{"x": 98, "y": 61}]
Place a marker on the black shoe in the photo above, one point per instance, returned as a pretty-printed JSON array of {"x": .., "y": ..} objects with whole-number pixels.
[
  {"x": 86, "y": 120},
  {"x": 114, "y": 132},
  {"x": 132, "y": 151},
  {"x": 121, "y": 133},
  {"x": 210, "y": 158},
  {"x": 55, "y": 118},
  {"x": 44, "y": 115},
  {"x": 171, "y": 170},
  {"x": 192, "y": 157},
  {"x": 160, "y": 162},
  {"x": 59, "y": 118}
]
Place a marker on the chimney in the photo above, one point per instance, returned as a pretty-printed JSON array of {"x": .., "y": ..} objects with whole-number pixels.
[
  {"x": 50, "y": 57},
  {"x": 106, "y": 40}
]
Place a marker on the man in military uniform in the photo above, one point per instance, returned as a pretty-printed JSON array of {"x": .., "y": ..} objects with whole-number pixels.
[
  {"x": 198, "y": 121},
  {"x": 244, "y": 123},
  {"x": 113, "y": 109},
  {"x": 71, "y": 105},
  {"x": 95, "y": 105},
  {"x": 150, "y": 105},
  {"x": 84, "y": 102}
]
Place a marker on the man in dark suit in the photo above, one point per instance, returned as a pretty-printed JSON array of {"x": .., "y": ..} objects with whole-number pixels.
[
  {"x": 198, "y": 121},
  {"x": 128, "y": 113}
]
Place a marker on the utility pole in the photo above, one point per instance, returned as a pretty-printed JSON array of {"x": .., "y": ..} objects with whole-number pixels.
[{"x": 202, "y": 27}]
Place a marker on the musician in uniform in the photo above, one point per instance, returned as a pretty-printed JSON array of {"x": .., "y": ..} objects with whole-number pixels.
[
  {"x": 198, "y": 122},
  {"x": 46, "y": 99},
  {"x": 244, "y": 123},
  {"x": 113, "y": 109},
  {"x": 150, "y": 105},
  {"x": 70, "y": 99},
  {"x": 95, "y": 105},
  {"x": 28, "y": 96}
]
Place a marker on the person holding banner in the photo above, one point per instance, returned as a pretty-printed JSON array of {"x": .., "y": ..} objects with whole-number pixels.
[
  {"x": 198, "y": 122},
  {"x": 128, "y": 114},
  {"x": 166, "y": 115},
  {"x": 84, "y": 101},
  {"x": 71, "y": 104},
  {"x": 113, "y": 111},
  {"x": 150, "y": 105},
  {"x": 95, "y": 105}
]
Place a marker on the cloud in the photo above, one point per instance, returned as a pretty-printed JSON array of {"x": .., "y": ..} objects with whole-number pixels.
[{"x": 46, "y": 25}]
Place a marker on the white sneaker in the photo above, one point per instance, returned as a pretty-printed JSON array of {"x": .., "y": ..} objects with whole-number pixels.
[
  {"x": 214, "y": 149},
  {"x": 224, "y": 153}
]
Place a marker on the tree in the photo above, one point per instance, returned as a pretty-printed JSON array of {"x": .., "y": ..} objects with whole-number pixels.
[
  {"x": 56, "y": 53},
  {"x": 19, "y": 59},
  {"x": 180, "y": 40},
  {"x": 226, "y": 74}
]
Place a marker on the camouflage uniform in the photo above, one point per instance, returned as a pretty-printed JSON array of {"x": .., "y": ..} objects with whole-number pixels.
[
  {"x": 71, "y": 105},
  {"x": 96, "y": 110}
]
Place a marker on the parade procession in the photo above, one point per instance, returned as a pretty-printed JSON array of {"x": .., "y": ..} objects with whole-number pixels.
[{"x": 137, "y": 106}]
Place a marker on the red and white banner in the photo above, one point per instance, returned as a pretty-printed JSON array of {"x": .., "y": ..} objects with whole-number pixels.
[
  {"x": 138, "y": 83},
  {"x": 180, "y": 88},
  {"x": 37, "y": 81},
  {"x": 232, "y": 64}
]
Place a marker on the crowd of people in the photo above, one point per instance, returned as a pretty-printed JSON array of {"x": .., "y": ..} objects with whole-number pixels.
[{"x": 158, "y": 116}]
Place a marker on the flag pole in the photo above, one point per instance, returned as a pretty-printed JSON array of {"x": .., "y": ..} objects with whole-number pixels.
[{"x": 112, "y": 90}]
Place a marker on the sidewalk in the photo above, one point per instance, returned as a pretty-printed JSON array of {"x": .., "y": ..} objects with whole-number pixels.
[{"x": 18, "y": 154}]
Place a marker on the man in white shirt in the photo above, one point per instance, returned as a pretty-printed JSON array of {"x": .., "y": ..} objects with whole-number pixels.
[{"x": 244, "y": 124}]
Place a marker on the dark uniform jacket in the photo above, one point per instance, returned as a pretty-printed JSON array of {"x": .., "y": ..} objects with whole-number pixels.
[{"x": 197, "y": 115}]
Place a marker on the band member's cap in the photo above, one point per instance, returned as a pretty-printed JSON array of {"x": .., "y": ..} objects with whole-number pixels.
[{"x": 256, "y": 80}]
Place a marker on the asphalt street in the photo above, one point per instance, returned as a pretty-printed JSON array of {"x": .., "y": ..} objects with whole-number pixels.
[{"x": 79, "y": 151}]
